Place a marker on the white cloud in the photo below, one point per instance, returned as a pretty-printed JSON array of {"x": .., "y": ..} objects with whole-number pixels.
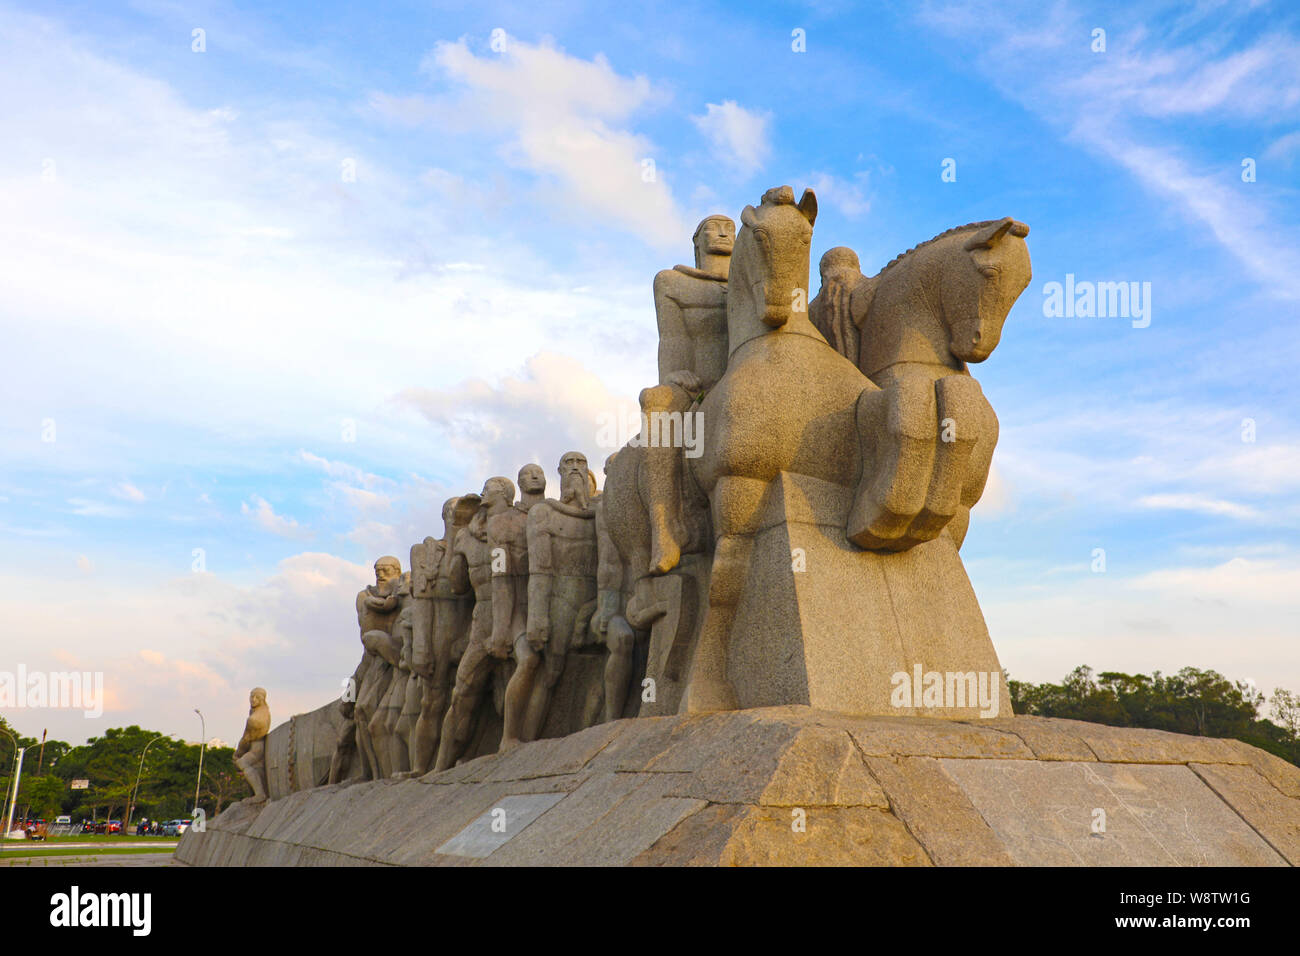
[
  {"x": 1242, "y": 581},
  {"x": 565, "y": 119},
  {"x": 129, "y": 491},
  {"x": 739, "y": 137},
  {"x": 86, "y": 508},
  {"x": 167, "y": 645},
  {"x": 1201, "y": 503},
  {"x": 847, "y": 197},
  {"x": 1035, "y": 56},
  {"x": 555, "y": 404},
  {"x": 265, "y": 516}
]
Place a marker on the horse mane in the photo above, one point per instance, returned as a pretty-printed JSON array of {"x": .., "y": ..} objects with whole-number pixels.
[{"x": 969, "y": 227}]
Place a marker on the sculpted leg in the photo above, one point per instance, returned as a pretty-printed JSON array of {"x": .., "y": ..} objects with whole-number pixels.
[
  {"x": 619, "y": 640},
  {"x": 471, "y": 677},
  {"x": 433, "y": 707},
  {"x": 519, "y": 693},
  {"x": 662, "y": 474},
  {"x": 345, "y": 752},
  {"x": 253, "y": 766},
  {"x": 552, "y": 667},
  {"x": 404, "y": 749},
  {"x": 736, "y": 503}
]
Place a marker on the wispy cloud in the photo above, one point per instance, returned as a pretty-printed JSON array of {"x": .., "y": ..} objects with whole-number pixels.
[
  {"x": 264, "y": 515},
  {"x": 740, "y": 138}
]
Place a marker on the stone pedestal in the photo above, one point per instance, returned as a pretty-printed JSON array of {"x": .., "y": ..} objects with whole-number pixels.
[
  {"x": 797, "y": 787},
  {"x": 826, "y": 624}
]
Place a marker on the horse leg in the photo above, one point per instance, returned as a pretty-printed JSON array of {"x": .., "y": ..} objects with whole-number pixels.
[
  {"x": 959, "y": 407},
  {"x": 736, "y": 502},
  {"x": 897, "y": 431}
]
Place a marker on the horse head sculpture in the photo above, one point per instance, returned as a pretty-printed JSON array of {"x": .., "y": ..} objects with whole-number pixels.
[
  {"x": 768, "y": 282},
  {"x": 943, "y": 303}
]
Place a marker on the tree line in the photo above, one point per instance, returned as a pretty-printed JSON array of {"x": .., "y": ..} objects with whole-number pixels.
[
  {"x": 1198, "y": 702},
  {"x": 110, "y": 764}
]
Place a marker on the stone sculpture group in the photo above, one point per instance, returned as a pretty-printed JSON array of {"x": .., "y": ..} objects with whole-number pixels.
[{"x": 807, "y": 554}]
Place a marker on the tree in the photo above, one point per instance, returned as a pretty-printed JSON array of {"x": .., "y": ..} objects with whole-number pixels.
[
  {"x": 41, "y": 795},
  {"x": 1193, "y": 701}
]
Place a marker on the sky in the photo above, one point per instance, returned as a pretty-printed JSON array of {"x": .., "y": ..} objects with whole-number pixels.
[{"x": 276, "y": 283}]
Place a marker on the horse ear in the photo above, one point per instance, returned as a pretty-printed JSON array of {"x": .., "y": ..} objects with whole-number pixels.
[
  {"x": 808, "y": 206},
  {"x": 989, "y": 236},
  {"x": 747, "y": 217}
]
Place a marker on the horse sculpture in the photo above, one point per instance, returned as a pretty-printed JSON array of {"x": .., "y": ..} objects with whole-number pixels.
[
  {"x": 922, "y": 318},
  {"x": 805, "y": 457}
]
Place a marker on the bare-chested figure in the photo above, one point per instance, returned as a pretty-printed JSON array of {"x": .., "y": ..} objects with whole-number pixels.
[
  {"x": 691, "y": 311},
  {"x": 250, "y": 754},
  {"x": 395, "y": 650},
  {"x": 561, "y": 589},
  {"x": 840, "y": 306},
  {"x": 471, "y": 568},
  {"x": 436, "y": 662},
  {"x": 377, "y": 609},
  {"x": 508, "y": 531}
]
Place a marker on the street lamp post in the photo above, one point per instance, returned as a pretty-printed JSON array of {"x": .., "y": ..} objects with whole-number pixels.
[
  {"x": 13, "y": 801},
  {"x": 135, "y": 791},
  {"x": 4, "y": 814},
  {"x": 203, "y": 742}
]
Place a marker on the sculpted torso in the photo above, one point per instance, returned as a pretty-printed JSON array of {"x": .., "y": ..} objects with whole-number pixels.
[
  {"x": 509, "y": 530},
  {"x": 692, "y": 312},
  {"x": 564, "y": 544},
  {"x": 477, "y": 555},
  {"x": 381, "y": 618}
]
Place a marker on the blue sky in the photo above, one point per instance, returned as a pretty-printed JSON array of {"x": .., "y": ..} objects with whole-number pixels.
[{"x": 245, "y": 351}]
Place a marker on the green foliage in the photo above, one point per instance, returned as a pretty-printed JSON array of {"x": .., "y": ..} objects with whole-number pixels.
[
  {"x": 112, "y": 762},
  {"x": 42, "y": 795},
  {"x": 1203, "y": 703}
]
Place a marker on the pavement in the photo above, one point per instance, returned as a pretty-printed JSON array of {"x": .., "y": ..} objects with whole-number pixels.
[
  {"x": 103, "y": 859},
  {"x": 20, "y": 845}
]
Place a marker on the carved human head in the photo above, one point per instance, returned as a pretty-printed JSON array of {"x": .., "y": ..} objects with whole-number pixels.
[
  {"x": 387, "y": 568},
  {"x": 715, "y": 235},
  {"x": 532, "y": 479},
  {"x": 257, "y": 697},
  {"x": 837, "y": 261},
  {"x": 498, "y": 492}
]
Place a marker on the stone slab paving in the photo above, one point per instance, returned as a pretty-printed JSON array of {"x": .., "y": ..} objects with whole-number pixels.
[{"x": 797, "y": 786}]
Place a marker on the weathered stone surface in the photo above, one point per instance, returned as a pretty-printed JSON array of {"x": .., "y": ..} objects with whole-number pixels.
[
  {"x": 788, "y": 766},
  {"x": 766, "y": 836},
  {"x": 1270, "y": 813},
  {"x": 922, "y": 737},
  {"x": 1044, "y": 813},
  {"x": 1285, "y": 776},
  {"x": 1048, "y": 740},
  {"x": 938, "y": 813},
  {"x": 725, "y": 789},
  {"x": 1136, "y": 745}
]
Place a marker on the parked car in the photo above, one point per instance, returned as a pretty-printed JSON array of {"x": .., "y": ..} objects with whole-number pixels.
[
  {"x": 114, "y": 826},
  {"x": 175, "y": 827}
]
